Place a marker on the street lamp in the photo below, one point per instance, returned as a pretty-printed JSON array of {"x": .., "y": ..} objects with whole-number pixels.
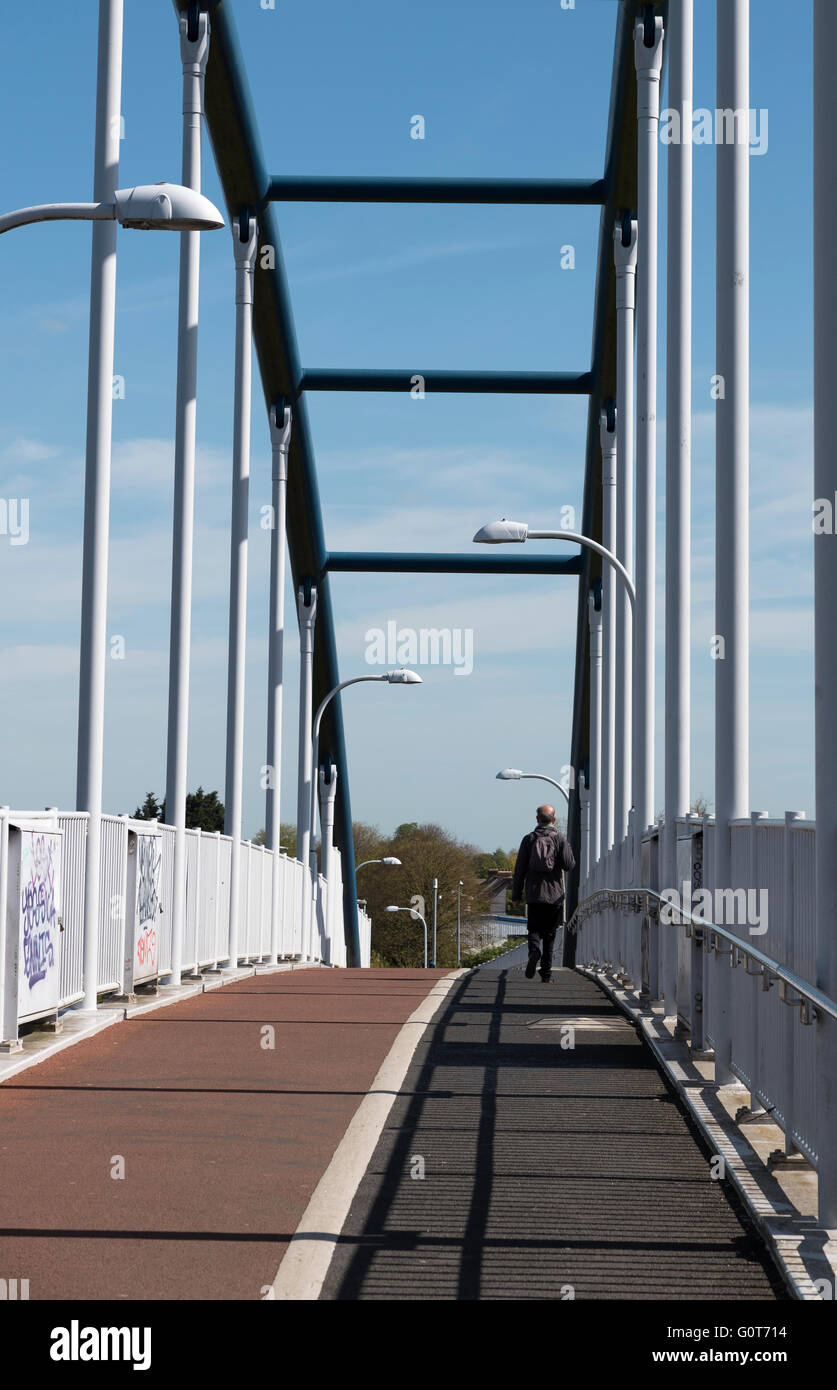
[
  {"x": 150, "y": 207},
  {"x": 400, "y": 677},
  {"x": 460, "y": 886},
  {"x": 389, "y": 859},
  {"x": 512, "y": 774},
  {"x": 417, "y": 917},
  {"x": 505, "y": 532}
]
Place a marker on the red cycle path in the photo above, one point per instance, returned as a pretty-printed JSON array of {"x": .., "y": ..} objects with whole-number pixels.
[{"x": 223, "y": 1140}]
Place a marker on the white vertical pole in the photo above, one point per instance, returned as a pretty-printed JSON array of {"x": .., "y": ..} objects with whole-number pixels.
[
  {"x": 678, "y": 466},
  {"x": 435, "y": 906},
  {"x": 625, "y": 257},
  {"x": 825, "y": 588},
  {"x": 328, "y": 793},
  {"x": 732, "y": 425},
  {"x": 94, "y": 585},
  {"x": 193, "y": 55},
  {"x": 649, "y": 60},
  {"x": 607, "y": 776},
  {"x": 280, "y": 437},
  {"x": 595, "y": 620},
  {"x": 584, "y": 798},
  {"x": 307, "y": 616},
  {"x": 245, "y": 257}
]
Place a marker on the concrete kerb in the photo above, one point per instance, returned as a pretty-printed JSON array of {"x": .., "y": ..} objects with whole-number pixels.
[
  {"x": 804, "y": 1253},
  {"x": 78, "y": 1025},
  {"x": 305, "y": 1263}
]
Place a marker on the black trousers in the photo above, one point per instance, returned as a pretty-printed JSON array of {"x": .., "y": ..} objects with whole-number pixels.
[{"x": 543, "y": 920}]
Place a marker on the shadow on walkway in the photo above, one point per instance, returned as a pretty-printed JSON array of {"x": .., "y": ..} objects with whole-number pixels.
[{"x": 523, "y": 1161}]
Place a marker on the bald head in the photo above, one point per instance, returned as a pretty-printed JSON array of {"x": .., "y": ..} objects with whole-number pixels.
[{"x": 545, "y": 815}]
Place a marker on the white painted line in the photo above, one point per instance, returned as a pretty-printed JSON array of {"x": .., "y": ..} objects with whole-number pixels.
[{"x": 305, "y": 1263}]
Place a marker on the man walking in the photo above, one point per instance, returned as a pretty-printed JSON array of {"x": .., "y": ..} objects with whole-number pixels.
[{"x": 543, "y": 855}]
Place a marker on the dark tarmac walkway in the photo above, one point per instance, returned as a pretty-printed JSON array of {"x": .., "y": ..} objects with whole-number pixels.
[{"x": 548, "y": 1172}]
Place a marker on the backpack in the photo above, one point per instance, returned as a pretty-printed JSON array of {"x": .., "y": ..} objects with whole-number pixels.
[{"x": 544, "y": 852}]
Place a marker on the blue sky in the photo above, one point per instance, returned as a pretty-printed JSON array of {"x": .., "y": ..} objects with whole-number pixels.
[{"x": 520, "y": 92}]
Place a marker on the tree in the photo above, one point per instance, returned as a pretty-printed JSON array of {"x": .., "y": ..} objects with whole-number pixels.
[
  {"x": 204, "y": 810},
  {"x": 287, "y": 838}
]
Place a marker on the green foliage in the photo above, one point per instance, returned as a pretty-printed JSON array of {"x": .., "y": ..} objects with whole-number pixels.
[
  {"x": 490, "y": 953},
  {"x": 204, "y": 811},
  {"x": 287, "y": 838}
]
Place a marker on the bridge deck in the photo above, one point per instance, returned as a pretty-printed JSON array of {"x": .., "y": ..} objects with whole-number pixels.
[{"x": 545, "y": 1168}]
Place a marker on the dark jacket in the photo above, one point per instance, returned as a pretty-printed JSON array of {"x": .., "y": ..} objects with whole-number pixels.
[{"x": 541, "y": 887}]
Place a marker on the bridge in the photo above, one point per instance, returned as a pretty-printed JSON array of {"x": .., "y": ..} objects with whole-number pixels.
[{"x": 198, "y": 1014}]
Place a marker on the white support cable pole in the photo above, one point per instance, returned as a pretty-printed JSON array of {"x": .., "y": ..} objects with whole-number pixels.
[
  {"x": 595, "y": 620},
  {"x": 245, "y": 259},
  {"x": 94, "y": 586},
  {"x": 194, "y": 54},
  {"x": 584, "y": 798},
  {"x": 307, "y": 613},
  {"x": 678, "y": 466},
  {"x": 825, "y": 591},
  {"x": 625, "y": 257},
  {"x": 328, "y": 793},
  {"x": 607, "y": 775},
  {"x": 649, "y": 60},
  {"x": 732, "y": 442},
  {"x": 280, "y": 439}
]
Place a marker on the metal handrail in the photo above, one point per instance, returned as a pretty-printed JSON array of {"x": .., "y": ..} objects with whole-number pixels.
[{"x": 808, "y": 992}]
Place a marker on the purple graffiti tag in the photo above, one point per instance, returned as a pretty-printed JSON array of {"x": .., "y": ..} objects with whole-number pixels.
[{"x": 38, "y": 911}]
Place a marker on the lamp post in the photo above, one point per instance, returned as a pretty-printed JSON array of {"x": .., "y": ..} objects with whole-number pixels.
[
  {"x": 460, "y": 886},
  {"x": 194, "y": 52},
  {"x": 505, "y": 532},
  {"x": 435, "y": 905},
  {"x": 416, "y": 916},
  {"x": 512, "y": 774},
  {"x": 150, "y": 207},
  {"x": 399, "y": 677},
  {"x": 389, "y": 859}
]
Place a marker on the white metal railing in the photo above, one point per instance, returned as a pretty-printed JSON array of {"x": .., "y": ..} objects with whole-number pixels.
[
  {"x": 760, "y": 927},
  {"x": 310, "y": 914}
]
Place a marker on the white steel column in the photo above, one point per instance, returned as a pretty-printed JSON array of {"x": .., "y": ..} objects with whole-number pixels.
[
  {"x": 94, "y": 584},
  {"x": 280, "y": 439},
  {"x": 245, "y": 257},
  {"x": 193, "y": 55},
  {"x": 625, "y": 256},
  {"x": 307, "y": 617},
  {"x": 595, "y": 619},
  {"x": 678, "y": 467},
  {"x": 584, "y": 799},
  {"x": 732, "y": 442},
  {"x": 328, "y": 793},
  {"x": 825, "y": 588},
  {"x": 607, "y": 777},
  {"x": 649, "y": 60}
]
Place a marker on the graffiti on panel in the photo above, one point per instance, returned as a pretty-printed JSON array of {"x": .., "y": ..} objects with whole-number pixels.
[
  {"x": 149, "y": 861},
  {"x": 38, "y": 905}
]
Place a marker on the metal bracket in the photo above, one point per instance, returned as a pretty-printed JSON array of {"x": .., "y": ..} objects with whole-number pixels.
[
  {"x": 193, "y": 19},
  {"x": 649, "y": 24}
]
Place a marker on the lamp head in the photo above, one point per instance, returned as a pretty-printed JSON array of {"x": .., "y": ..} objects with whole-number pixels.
[
  {"x": 392, "y": 909},
  {"x": 500, "y": 532},
  {"x": 391, "y": 859},
  {"x": 166, "y": 207},
  {"x": 509, "y": 774},
  {"x": 403, "y": 677}
]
